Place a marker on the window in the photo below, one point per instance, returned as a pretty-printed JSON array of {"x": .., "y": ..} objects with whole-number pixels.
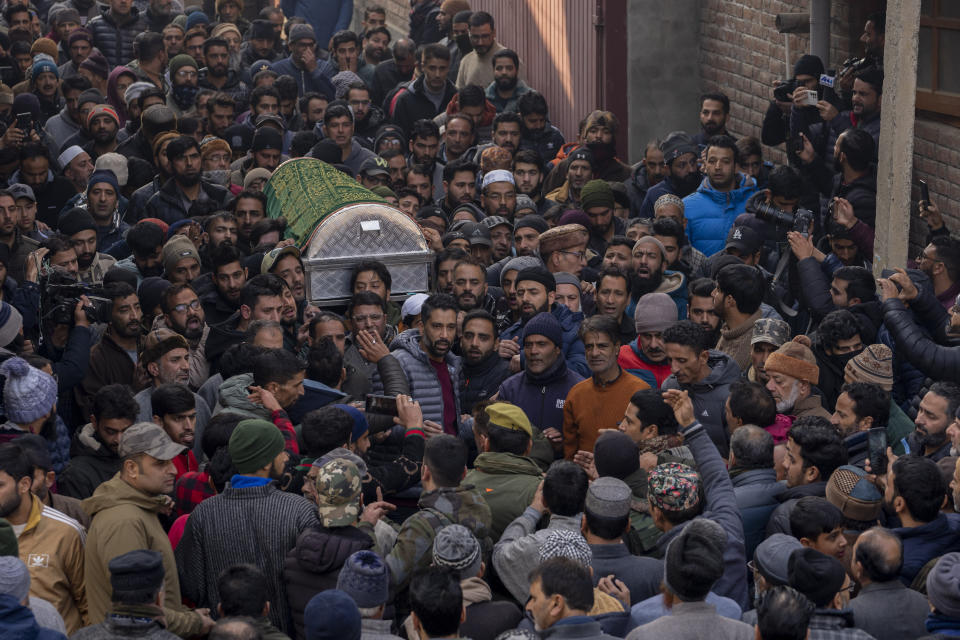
[{"x": 938, "y": 81}]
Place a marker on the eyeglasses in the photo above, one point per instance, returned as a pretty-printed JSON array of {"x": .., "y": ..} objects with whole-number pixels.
[
  {"x": 923, "y": 256},
  {"x": 581, "y": 255},
  {"x": 194, "y": 305}
]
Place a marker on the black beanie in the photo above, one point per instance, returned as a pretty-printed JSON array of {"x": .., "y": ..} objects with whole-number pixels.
[
  {"x": 815, "y": 575},
  {"x": 616, "y": 455},
  {"x": 538, "y": 274},
  {"x": 74, "y": 221},
  {"x": 694, "y": 560},
  {"x": 328, "y": 151},
  {"x": 533, "y": 221},
  {"x": 808, "y": 65}
]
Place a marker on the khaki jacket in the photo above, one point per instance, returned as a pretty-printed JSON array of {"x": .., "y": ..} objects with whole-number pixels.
[{"x": 51, "y": 546}]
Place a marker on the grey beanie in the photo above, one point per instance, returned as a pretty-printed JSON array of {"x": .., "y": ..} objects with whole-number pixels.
[
  {"x": 772, "y": 556},
  {"x": 519, "y": 264},
  {"x": 14, "y": 578},
  {"x": 562, "y": 543},
  {"x": 694, "y": 560},
  {"x": 455, "y": 547},
  {"x": 525, "y": 202},
  {"x": 609, "y": 498},
  {"x": 29, "y": 393},
  {"x": 943, "y": 585},
  {"x": 654, "y": 313},
  {"x": 562, "y": 277},
  {"x": 365, "y": 578}
]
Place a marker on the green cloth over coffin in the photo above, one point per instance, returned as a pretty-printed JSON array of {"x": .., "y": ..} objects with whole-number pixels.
[{"x": 306, "y": 190}]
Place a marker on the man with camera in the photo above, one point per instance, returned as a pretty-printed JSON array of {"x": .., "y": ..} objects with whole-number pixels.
[{"x": 791, "y": 100}]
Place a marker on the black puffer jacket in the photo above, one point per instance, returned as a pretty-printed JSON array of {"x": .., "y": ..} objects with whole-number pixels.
[
  {"x": 114, "y": 35},
  {"x": 934, "y": 356},
  {"x": 314, "y": 564},
  {"x": 166, "y": 204}
]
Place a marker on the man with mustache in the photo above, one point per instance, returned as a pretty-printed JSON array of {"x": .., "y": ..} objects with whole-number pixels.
[
  {"x": 186, "y": 190},
  {"x": 432, "y": 369},
  {"x": 507, "y": 87},
  {"x": 183, "y": 312},
  {"x": 79, "y": 226},
  {"x": 683, "y": 172},
  {"x": 612, "y": 296},
  {"x": 936, "y": 412},
  {"x": 646, "y": 357},
  {"x": 793, "y": 371},
  {"x": 650, "y": 275},
  {"x": 175, "y": 409},
  {"x": 470, "y": 286},
  {"x": 483, "y": 368}
]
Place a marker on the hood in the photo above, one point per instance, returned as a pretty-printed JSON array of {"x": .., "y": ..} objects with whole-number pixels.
[
  {"x": 745, "y": 185},
  {"x": 817, "y": 488},
  {"x": 322, "y": 550},
  {"x": 86, "y": 443},
  {"x": 723, "y": 370},
  {"x": 637, "y": 351},
  {"x": 510, "y": 463},
  {"x": 115, "y": 492},
  {"x": 233, "y": 396},
  {"x": 19, "y": 622},
  {"x": 672, "y": 281}
]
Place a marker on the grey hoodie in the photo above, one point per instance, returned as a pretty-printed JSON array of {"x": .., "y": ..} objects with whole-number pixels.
[{"x": 710, "y": 395}]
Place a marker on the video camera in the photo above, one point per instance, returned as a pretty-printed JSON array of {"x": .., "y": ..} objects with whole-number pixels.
[
  {"x": 800, "y": 221},
  {"x": 60, "y": 294}
]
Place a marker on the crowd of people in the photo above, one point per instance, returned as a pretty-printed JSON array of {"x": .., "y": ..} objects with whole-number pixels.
[{"x": 666, "y": 399}]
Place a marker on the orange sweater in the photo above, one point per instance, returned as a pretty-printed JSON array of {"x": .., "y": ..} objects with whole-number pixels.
[{"x": 590, "y": 407}]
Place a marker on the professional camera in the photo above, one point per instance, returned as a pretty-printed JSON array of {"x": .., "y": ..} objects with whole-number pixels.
[
  {"x": 800, "y": 221},
  {"x": 855, "y": 65},
  {"x": 784, "y": 90},
  {"x": 60, "y": 295}
]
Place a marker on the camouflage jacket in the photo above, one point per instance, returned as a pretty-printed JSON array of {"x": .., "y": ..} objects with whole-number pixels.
[{"x": 413, "y": 549}]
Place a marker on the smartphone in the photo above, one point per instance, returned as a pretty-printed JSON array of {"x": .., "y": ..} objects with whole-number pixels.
[
  {"x": 877, "y": 450},
  {"x": 924, "y": 192},
  {"x": 812, "y": 98},
  {"x": 384, "y": 405},
  {"x": 24, "y": 121}
]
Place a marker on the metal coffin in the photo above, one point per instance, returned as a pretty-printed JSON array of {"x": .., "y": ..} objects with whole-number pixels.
[{"x": 365, "y": 231}]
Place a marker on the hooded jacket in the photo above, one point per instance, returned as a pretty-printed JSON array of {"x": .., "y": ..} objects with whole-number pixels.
[
  {"x": 114, "y": 35},
  {"x": 541, "y": 396},
  {"x": 547, "y": 142},
  {"x": 233, "y": 399},
  {"x": 710, "y": 213},
  {"x": 424, "y": 384},
  {"x": 314, "y": 564},
  {"x": 317, "y": 80},
  {"x": 637, "y": 186},
  {"x": 167, "y": 205},
  {"x": 635, "y": 362},
  {"x": 674, "y": 284},
  {"x": 756, "y": 491},
  {"x": 507, "y": 483},
  {"x": 572, "y": 346},
  {"x": 923, "y": 543},
  {"x": 19, "y": 623},
  {"x": 126, "y": 519},
  {"x": 481, "y": 380},
  {"x": 710, "y": 395},
  {"x": 413, "y": 104},
  {"x": 91, "y": 463}
]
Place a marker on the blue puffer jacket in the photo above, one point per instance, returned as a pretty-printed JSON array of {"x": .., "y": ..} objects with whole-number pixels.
[
  {"x": 541, "y": 396},
  {"x": 424, "y": 384},
  {"x": 756, "y": 491},
  {"x": 317, "y": 80},
  {"x": 572, "y": 346},
  {"x": 923, "y": 543},
  {"x": 710, "y": 213},
  {"x": 114, "y": 36}
]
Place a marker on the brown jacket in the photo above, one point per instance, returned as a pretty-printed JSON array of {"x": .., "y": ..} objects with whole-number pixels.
[
  {"x": 109, "y": 364},
  {"x": 736, "y": 342},
  {"x": 809, "y": 406},
  {"x": 51, "y": 546}
]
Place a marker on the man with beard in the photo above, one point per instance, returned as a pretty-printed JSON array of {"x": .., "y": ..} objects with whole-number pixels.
[
  {"x": 714, "y": 113},
  {"x": 432, "y": 369},
  {"x": 113, "y": 359},
  {"x": 793, "y": 371},
  {"x": 430, "y": 93},
  {"x": 646, "y": 174},
  {"x": 507, "y": 88},
  {"x": 183, "y": 313},
  {"x": 42, "y": 532},
  {"x": 528, "y": 173},
  {"x": 103, "y": 125},
  {"x": 596, "y": 403},
  {"x": 769, "y": 334},
  {"x": 375, "y": 43},
  {"x": 257, "y": 509},
  {"x": 580, "y": 170},
  {"x": 483, "y": 368},
  {"x": 683, "y": 172},
  {"x": 182, "y": 98},
  {"x": 501, "y": 237},
  {"x": 867, "y": 101},
  {"x": 537, "y": 134},
  {"x": 470, "y": 286},
  {"x": 564, "y": 249},
  {"x": 646, "y": 357},
  {"x": 721, "y": 197},
  {"x": 286, "y": 263},
  {"x": 138, "y": 97},
  {"x": 249, "y": 208},
  {"x": 393, "y": 71},
  {"x": 81, "y": 230},
  {"x": 940, "y": 261},
  {"x": 596, "y": 199},
  {"x": 445, "y": 263},
  {"x": 499, "y": 194},
  {"x": 175, "y": 410},
  {"x": 367, "y": 118},
  {"x": 650, "y": 275},
  {"x": 736, "y": 300},
  {"x": 458, "y": 139},
  {"x": 338, "y": 125},
  {"x": 526, "y": 235},
  {"x": 536, "y": 291},
  {"x": 166, "y": 360},
  {"x": 77, "y": 167},
  {"x": 477, "y": 66},
  {"x": 181, "y": 260},
  {"x": 303, "y": 66},
  {"x": 145, "y": 240},
  {"x": 103, "y": 203},
  {"x": 612, "y": 296},
  {"x": 185, "y": 190},
  {"x": 459, "y": 183},
  {"x": 45, "y": 85},
  {"x": 218, "y": 75},
  {"x": 261, "y": 44},
  {"x": 936, "y": 412},
  {"x": 151, "y": 61}
]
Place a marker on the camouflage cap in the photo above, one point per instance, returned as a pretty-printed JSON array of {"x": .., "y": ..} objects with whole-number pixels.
[
  {"x": 770, "y": 330},
  {"x": 338, "y": 493},
  {"x": 148, "y": 438}
]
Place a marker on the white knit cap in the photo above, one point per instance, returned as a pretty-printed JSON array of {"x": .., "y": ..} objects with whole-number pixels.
[
  {"x": 69, "y": 154},
  {"x": 498, "y": 175}
]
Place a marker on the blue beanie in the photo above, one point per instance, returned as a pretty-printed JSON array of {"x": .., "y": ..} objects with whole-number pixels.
[
  {"x": 44, "y": 65},
  {"x": 28, "y": 393},
  {"x": 104, "y": 175},
  {"x": 331, "y": 615},
  {"x": 366, "y": 579},
  {"x": 195, "y": 18},
  {"x": 360, "y": 425},
  {"x": 544, "y": 324}
]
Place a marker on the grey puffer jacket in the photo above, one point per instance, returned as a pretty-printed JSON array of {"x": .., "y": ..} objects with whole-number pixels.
[
  {"x": 113, "y": 35},
  {"x": 424, "y": 384}
]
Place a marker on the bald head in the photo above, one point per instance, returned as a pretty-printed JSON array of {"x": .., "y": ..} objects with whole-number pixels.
[
  {"x": 878, "y": 556},
  {"x": 404, "y": 48}
]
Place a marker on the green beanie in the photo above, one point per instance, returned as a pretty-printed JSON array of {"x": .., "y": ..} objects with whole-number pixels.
[
  {"x": 254, "y": 444},
  {"x": 8, "y": 540},
  {"x": 181, "y": 60},
  {"x": 596, "y": 193}
]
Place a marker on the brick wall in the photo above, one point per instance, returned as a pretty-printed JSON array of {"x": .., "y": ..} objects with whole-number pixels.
[{"x": 936, "y": 159}]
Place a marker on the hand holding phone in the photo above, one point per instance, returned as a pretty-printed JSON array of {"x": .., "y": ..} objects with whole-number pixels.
[
  {"x": 383, "y": 405},
  {"x": 877, "y": 450},
  {"x": 811, "y": 99}
]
